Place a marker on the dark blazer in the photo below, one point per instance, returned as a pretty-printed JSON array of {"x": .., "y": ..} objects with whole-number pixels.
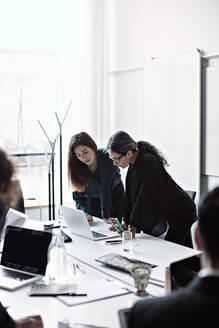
[
  {"x": 153, "y": 196},
  {"x": 5, "y": 320},
  {"x": 196, "y": 305}
]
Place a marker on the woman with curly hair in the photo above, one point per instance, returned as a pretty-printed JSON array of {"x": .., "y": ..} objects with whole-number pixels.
[{"x": 153, "y": 200}]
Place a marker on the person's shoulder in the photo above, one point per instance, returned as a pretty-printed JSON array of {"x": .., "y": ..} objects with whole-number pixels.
[
  {"x": 103, "y": 156},
  {"x": 103, "y": 152},
  {"x": 105, "y": 161},
  {"x": 144, "y": 156},
  {"x": 147, "y": 160},
  {"x": 173, "y": 300}
]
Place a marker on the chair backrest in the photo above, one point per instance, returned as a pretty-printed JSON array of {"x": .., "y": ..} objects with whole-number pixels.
[{"x": 191, "y": 193}]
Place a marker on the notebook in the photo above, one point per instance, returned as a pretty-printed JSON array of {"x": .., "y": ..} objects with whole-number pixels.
[
  {"x": 24, "y": 256},
  {"x": 77, "y": 223}
]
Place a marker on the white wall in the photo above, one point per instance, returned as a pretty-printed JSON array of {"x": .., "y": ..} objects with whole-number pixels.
[
  {"x": 145, "y": 28},
  {"x": 140, "y": 29}
]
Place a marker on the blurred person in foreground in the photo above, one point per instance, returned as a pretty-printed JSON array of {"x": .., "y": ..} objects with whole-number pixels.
[
  {"x": 7, "y": 170},
  {"x": 196, "y": 304}
]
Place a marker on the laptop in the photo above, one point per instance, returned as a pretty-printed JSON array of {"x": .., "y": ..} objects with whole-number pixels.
[
  {"x": 24, "y": 256},
  {"x": 182, "y": 272},
  {"x": 77, "y": 223},
  {"x": 124, "y": 315},
  {"x": 15, "y": 218}
]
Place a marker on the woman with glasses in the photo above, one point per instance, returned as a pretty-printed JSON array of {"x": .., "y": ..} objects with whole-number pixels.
[
  {"x": 154, "y": 202},
  {"x": 97, "y": 186}
]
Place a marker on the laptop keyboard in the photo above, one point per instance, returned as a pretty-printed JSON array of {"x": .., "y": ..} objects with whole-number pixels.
[
  {"x": 97, "y": 234},
  {"x": 15, "y": 274}
]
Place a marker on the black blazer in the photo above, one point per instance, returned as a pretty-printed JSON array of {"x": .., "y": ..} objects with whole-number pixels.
[
  {"x": 153, "y": 196},
  {"x": 196, "y": 305}
]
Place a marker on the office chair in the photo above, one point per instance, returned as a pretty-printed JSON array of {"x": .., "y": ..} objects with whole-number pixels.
[{"x": 191, "y": 193}]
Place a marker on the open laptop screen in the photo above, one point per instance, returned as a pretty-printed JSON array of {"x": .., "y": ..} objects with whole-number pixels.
[
  {"x": 26, "y": 249},
  {"x": 182, "y": 272}
]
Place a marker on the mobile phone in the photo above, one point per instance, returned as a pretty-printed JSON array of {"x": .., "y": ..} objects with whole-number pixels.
[{"x": 50, "y": 226}]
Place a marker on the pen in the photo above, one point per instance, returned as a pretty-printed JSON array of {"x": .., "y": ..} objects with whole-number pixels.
[
  {"x": 74, "y": 267},
  {"x": 117, "y": 229},
  {"x": 53, "y": 227},
  {"x": 80, "y": 267},
  {"x": 119, "y": 225},
  {"x": 60, "y": 294},
  {"x": 112, "y": 242}
]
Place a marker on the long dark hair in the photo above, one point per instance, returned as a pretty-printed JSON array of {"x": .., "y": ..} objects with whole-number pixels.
[
  {"x": 77, "y": 170},
  {"x": 7, "y": 170},
  {"x": 121, "y": 142}
]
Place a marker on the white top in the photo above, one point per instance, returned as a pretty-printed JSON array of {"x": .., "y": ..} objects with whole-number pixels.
[{"x": 208, "y": 272}]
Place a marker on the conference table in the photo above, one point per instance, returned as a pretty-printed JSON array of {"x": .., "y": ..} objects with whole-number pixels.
[{"x": 103, "y": 312}]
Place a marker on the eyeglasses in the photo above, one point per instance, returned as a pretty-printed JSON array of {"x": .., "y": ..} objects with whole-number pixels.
[{"x": 117, "y": 160}]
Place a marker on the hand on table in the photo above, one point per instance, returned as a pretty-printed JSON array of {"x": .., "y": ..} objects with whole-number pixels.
[
  {"x": 133, "y": 230},
  {"x": 89, "y": 218},
  {"x": 33, "y": 321},
  {"x": 107, "y": 220},
  {"x": 125, "y": 227}
]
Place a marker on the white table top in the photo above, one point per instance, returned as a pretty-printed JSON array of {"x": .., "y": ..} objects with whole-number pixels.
[{"x": 104, "y": 312}]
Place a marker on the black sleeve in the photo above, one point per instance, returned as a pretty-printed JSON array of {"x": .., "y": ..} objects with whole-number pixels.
[
  {"x": 109, "y": 178},
  {"x": 127, "y": 210},
  {"x": 144, "y": 215},
  {"x": 106, "y": 193},
  {"x": 5, "y": 320},
  {"x": 81, "y": 201}
]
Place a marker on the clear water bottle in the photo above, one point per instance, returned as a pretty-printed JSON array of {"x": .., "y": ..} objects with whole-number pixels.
[
  {"x": 60, "y": 216},
  {"x": 57, "y": 260}
]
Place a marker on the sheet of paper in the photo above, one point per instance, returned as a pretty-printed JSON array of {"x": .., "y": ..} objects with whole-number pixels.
[{"x": 96, "y": 290}]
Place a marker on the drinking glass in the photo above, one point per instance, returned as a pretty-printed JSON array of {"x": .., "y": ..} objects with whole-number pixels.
[{"x": 127, "y": 240}]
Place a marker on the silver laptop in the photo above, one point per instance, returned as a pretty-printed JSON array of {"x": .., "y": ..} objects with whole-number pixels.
[
  {"x": 77, "y": 223},
  {"x": 24, "y": 256}
]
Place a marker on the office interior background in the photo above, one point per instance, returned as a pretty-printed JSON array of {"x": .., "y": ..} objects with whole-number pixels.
[{"x": 90, "y": 53}]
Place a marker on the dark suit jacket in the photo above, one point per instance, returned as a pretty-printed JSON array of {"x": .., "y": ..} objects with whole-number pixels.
[
  {"x": 152, "y": 196},
  {"x": 196, "y": 305}
]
